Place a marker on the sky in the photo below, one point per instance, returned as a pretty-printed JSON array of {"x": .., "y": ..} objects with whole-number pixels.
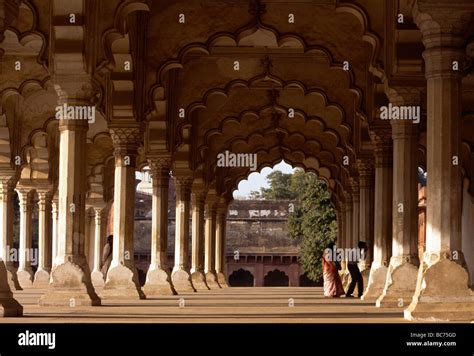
[{"x": 257, "y": 180}]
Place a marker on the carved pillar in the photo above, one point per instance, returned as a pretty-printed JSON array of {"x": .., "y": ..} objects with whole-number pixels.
[
  {"x": 382, "y": 213},
  {"x": 181, "y": 276},
  {"x": 366, "y": 226},
  {"x": 355, "y": 213},
  {"x": 403, "y": 267},
  {"x": 96, "y": 276},
  {"x": 158, "y": 280},
  {"x": 25, "y": 253},
  {"x": 219, "y": 245},
  {"x": 442, "y": 290},
  {"x": 209, "y": 244},
  {"x": 54, "y": 231},
  {"x": 70, "y": 278},
  {"x": 9, "y": 307},
  {"x": 341, "y": 235},
  {"x": 197, "y": 258},
  {"x": 6, "y": 230},
  {"x": 44, "y": 239},
  {"x": 122, "y": 277},
  {"x": 349, "y": 231}
]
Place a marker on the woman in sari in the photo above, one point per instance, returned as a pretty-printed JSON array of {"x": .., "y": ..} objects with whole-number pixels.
[{"x": 332, "y": 281}]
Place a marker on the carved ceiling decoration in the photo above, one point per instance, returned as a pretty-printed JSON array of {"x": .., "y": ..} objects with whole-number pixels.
[{"x": 225, "y": 79}]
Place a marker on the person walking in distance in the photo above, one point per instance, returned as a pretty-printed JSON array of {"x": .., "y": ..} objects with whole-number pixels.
[{"x": 356, "y": 276}]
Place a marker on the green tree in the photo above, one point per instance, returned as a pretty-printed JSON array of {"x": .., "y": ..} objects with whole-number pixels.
[
  {"x": 280, "y": 187},
  {"x": 313, "y": 221}
]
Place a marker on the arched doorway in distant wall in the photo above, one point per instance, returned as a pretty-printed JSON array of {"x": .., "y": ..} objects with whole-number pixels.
[
  {"x": 276, "y": 278},
  {"x": 241, "y": 278}
]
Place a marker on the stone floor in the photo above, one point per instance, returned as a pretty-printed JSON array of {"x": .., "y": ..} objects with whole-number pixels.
[{"x": 229, "y": 305}]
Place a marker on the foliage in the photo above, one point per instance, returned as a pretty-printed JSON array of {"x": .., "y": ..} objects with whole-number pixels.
[
  {"x": 313, "y": 222},
  {"x": 280, "y": 187}
]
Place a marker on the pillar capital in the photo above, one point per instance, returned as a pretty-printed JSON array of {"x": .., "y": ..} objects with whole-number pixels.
[
  {"x": 7, "y": 185},
  {"x": 45, "y": 197},
  {"x": 354, "y": 186},
  {"x": 183, "y": 181},
  {"x": 198, "y": 195},
  {"x": 442, "y": 23},
  {"x": 365, "y": 166},
  {"x": 404, "y": 95},
  {"x": 404, "y": 129},
  {"x": 210, "y": 209},
  {"x": 24, "y": 195},
  {"x": 366, "y": 169},
  {"x": 348, "y": 200},
  {"x": 159, "y": 165},
  {"x": 125, "y": 140},
  {"x": 383, "y": 152}
]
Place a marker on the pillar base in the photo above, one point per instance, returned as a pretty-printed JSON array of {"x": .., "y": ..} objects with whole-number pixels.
[
  {"x": 97, "y": 279},
  {"x": 365, "y": 272},
  {"x": 399, "y": 287},
  {"x": 346, "y": 280},
  {"x": 25, "y": 278},
  {"x": 70, "y": 286},
  {"x": 158, "y": 282},
  {"x": 376, "y": 283},
  {"x": 211, "y": 280},
  {"x": 9, "y": 307},
  {"x": 182, "y": 281},
  {"x": 199, "y": 281},
  {"x": 122, "y": 283},
  {"x": 442, "y": 294},
  {"x": 222, "y": 280},
  {"x": 42, "y": 278}
]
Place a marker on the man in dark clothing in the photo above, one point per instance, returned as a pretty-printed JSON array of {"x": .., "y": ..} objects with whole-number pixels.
[{"x": 356, "y": 276}]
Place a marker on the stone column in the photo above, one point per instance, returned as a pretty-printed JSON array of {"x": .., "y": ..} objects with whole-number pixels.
[
  {"x": 442, "y": 290},
  {"x": 197, "y": 258},
  {"x": 6, "y": 231},
  {"x": 181, "y": 275},
  {"x": 96, "y": 276},
  {"x": 209, "y": 244},
  {"x": 158, "y": 280},
  {"x": 383, "y": 213},
  {"x": 44, "y": 239},
  {"x": 403, "y": 269},
  {"x": 366, "y": 226},
  {"x": 25, "y": 253},
  {"x": 355, "y": 213},
  {"x": 341, "y": 235},
  {"x": 122, "y": 277},
  {"x": 54, "y": 231},
  {"x": 8, "y": 305},
  {"x": 70, "y": 282},
  {"x": 220, "y": 237},
  {"x": 348, "y": 241}
]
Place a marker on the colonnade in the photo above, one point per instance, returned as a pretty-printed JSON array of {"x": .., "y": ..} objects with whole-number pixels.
[{"x": 435, "y": 285}]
